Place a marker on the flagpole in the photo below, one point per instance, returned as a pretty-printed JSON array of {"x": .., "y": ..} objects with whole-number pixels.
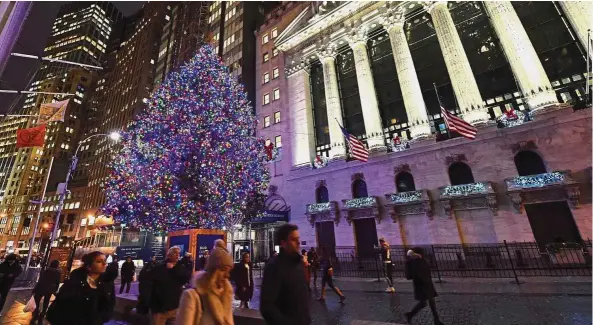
[{"x": 441, "y": 106}]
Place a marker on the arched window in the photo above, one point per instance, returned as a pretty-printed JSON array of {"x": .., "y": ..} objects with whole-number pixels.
[
  {"x": 460, "y": 173},
  {"x": 404, "y": 182},
  {"x": 529, "y": 163},
  {"x": 321, "y": 194},
  {"x": 359, "y": 189}
]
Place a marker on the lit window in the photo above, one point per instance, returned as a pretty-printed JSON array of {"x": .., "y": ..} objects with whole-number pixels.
[
  {"x": 275, "y": 73},
  {"x": 278, "y": 141},
  {"x": 265, "y": 39},
  {"x": 266, "y": 57},
  {"x": 276, "y": 117},
  {"x": 266, "y": 99},
  {"x": 266, "y": 121},
  {"x": 266, "y": 78},
  {"x": 274, "y": 33},
  {"x": 275, "y": 52},
  {"x": 276, "y": 94}
]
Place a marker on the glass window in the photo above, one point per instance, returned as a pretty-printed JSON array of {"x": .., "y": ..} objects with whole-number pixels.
[
  {"x": 320, "y": 122},
  {"x": 266, "y": 78},
  {"x": 266, "y": 99},
  {"x": 278, "y": 141},
  {"x": 266, "y": 121},
  {"x": 266, "y": 57},
  {"x": 274, "y": 33},
  {"x": 275, "y": 52},
  {"x": 276, "y": 117},
  {"x": 276, "y": 94},
  {"x": 275, "y": 73},
  {"x": 351, "y": 106},
  {"x": 265, "y": 39}
]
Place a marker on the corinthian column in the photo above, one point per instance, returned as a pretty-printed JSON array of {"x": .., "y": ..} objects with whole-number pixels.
[
  {"x": 327, "y": 55},
  {"x": 393, "y": 22},
  {"x": 366, "y": 88},
  {"x": 527, "y": 67},
  {"x": 301, "y": 116},
  {"x": 461, "y": 75},
  {"x": 580, "y": 16}
]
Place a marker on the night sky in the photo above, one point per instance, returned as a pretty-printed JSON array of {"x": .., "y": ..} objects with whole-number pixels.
[{"x": 32, "y": 41}]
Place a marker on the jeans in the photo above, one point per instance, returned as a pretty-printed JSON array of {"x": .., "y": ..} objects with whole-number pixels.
[{"x": 121, "y": 288}]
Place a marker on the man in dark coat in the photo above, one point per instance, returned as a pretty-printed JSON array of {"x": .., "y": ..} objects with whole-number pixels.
[
  {"x": 313, "y": 259},
  {"x": 284, "y": 291},
  {"x": 128, "y": 270},
  {"x": 167, "y": 281},
  {"x": 48, "y": 285},
  {"x": 242, "y": 275},
  {"x": 144, "y": 286},
  {"x": 418, "y": 270},
  {"x": 10, "y": 269}
]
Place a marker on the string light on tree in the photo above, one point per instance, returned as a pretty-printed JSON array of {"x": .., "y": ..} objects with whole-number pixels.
[{"x": 191, "y": 159}]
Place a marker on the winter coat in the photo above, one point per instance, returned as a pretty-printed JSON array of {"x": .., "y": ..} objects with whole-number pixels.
[
  {"x": 128, "y": 270},
  {"x": 166, "y": 287},
  {"x": 284, "y": 298},
  {"x": 49, "y": 282},
  {"x": 187, "y": 262},
  {"x": 144, "y": 287},
  {"x": 418, "y": 270},
  {"x": 206, "y": 304},
  {"x": 78, "y": 304},
  {"x": 243, "y": 278},
  {"x": 8, "y": 273}
]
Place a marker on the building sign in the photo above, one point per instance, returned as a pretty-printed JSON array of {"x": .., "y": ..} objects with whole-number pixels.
[
  {"x": 135, "y": 252},
  {"x": 271, "y": 216},
  {"x": 157, "y": 248},
  {"x": 62, "y": 255},
  {"x": 205, "y": 243}
]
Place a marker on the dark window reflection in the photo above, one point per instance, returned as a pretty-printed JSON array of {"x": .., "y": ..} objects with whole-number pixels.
[
  {"x": 322, "y": 194},
  {"x": 319, "y": 105},
  {"x": 460, "y": 173},
  {"x": 351, "y": 107},
  {"x": 359, "y": 189}
]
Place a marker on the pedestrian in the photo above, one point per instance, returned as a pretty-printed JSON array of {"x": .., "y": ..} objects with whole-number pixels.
[
  {"x": 385, "y": 253},
  {"x": 243, "y": 277},
  {"x": 211, "y": 301},
  {"x": 418, "y": 270},
  {"x": 307, "y": 267},
  {"x": 327, "y": 277},
  {"x": 128, "y": 271},
  {"x": 166, "y": 282},
  {"x": 87, "y": 297},
  {"x": 313, "y": 259},
  {"x": 114, "y": 265},
  {"x": 284, "y": 297},
  {"x": 10, "y": 269},
  {"x": 144, "y": 286},
  {"x": 189, "y": 264},
  {"x": 204, "y": 259},
  {"x": 46, "y": 286}
]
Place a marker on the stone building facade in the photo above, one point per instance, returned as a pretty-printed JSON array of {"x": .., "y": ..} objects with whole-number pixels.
[{"x": 383, "y": 70}]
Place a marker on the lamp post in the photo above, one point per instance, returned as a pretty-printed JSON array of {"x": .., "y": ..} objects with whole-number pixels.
[{"x": 63, "y": 187}]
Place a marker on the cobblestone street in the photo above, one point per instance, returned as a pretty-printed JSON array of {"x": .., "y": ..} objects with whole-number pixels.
[{"x": 461, "y": 302}]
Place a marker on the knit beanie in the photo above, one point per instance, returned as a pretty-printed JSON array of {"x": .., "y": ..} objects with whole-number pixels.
[{"x": 219, "y": 257}]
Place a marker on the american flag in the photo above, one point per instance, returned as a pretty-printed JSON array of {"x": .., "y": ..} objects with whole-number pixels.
[
  {"x": 458, "y": 125},
  {"x": 357, "y": 148}
]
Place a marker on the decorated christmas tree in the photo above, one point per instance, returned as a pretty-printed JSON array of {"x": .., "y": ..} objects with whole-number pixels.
[{"x": 191, "y": 159}]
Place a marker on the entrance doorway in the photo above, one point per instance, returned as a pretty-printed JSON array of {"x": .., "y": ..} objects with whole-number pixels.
[
  {"x": 365, "y": 232},
  {"x": 552, "y": 222},
  {"x": 326, "y": 237}
]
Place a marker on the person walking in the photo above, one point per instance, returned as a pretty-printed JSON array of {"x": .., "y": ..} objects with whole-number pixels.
[
  {"x": 128, "y": 271},
  {"x": 418, "y": 270},
  {"x": 313, "y": 259},
  {"x": 243, "y": 277},
  {"x": 328, "y": 277},
  {"x": 307, "y": 267},
  {"x": 211, "y": 301},
  {"x": 166, "y": 282},
  {"x": 387, "y": 264},
  {"x": 87, "y": 297},
  {"x": 144, "y": 286},
  {"x": 48, "y": 285},
  {"x": 284, "y": 297},
  {"x": 10, "y": 269}
]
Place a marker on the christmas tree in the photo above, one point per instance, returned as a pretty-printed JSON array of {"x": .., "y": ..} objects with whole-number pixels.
[{"x": 191, "y": 159}]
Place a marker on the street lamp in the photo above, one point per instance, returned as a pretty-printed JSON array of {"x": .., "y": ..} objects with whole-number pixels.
[{"x": 63, "y": 187}]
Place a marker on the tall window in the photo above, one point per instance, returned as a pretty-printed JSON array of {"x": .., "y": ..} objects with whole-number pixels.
[
  {"x": 321, "y": 194},
  {"x": 404, "y": 182},
  {"x": 275, "y": 52},
  {"x": 274, "y": 33},
  {"x": 529, "y": 163},
  {"x": 266, "y": 57},
  {"x": 359, "y": 189},
  {"x": 276, "y": 117},
  {"x": 275, "y": 73},
  {"x": 266, "y": 78},
  {"x": 266, "y": 121},
  {"x": 276, "y": 93},
  {"x": 351, "y": 107},
  {"x": 319, "y": 108},
  {"x": 265, "y": 39},
  {"x": 460, "y": 173},
  {"x": 266, "y": 99},
  {"x": 278, "y": 141}
]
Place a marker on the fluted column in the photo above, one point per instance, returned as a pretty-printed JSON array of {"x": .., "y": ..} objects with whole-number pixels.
[
  {"x": 393, "y": 21},
  {"x": 327, "y": 55},
  {"x": 580, "y": 16},
  {"x": 366, "y": 88},
  {"x": 461, "y": 75},
  {"x": 523, "y": 59},
  {"x": 301, "y": 117}
]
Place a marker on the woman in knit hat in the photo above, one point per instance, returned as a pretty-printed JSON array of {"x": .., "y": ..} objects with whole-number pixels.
[{"x": 211, "y": 302}]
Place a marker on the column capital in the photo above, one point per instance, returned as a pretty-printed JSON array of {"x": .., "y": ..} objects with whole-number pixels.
[
  {"x": 357, "y": 34},
  {"x": 429, "y": 6},
  {"x": 393, "y": 18},
  {"x": 327, "y": 50}
]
